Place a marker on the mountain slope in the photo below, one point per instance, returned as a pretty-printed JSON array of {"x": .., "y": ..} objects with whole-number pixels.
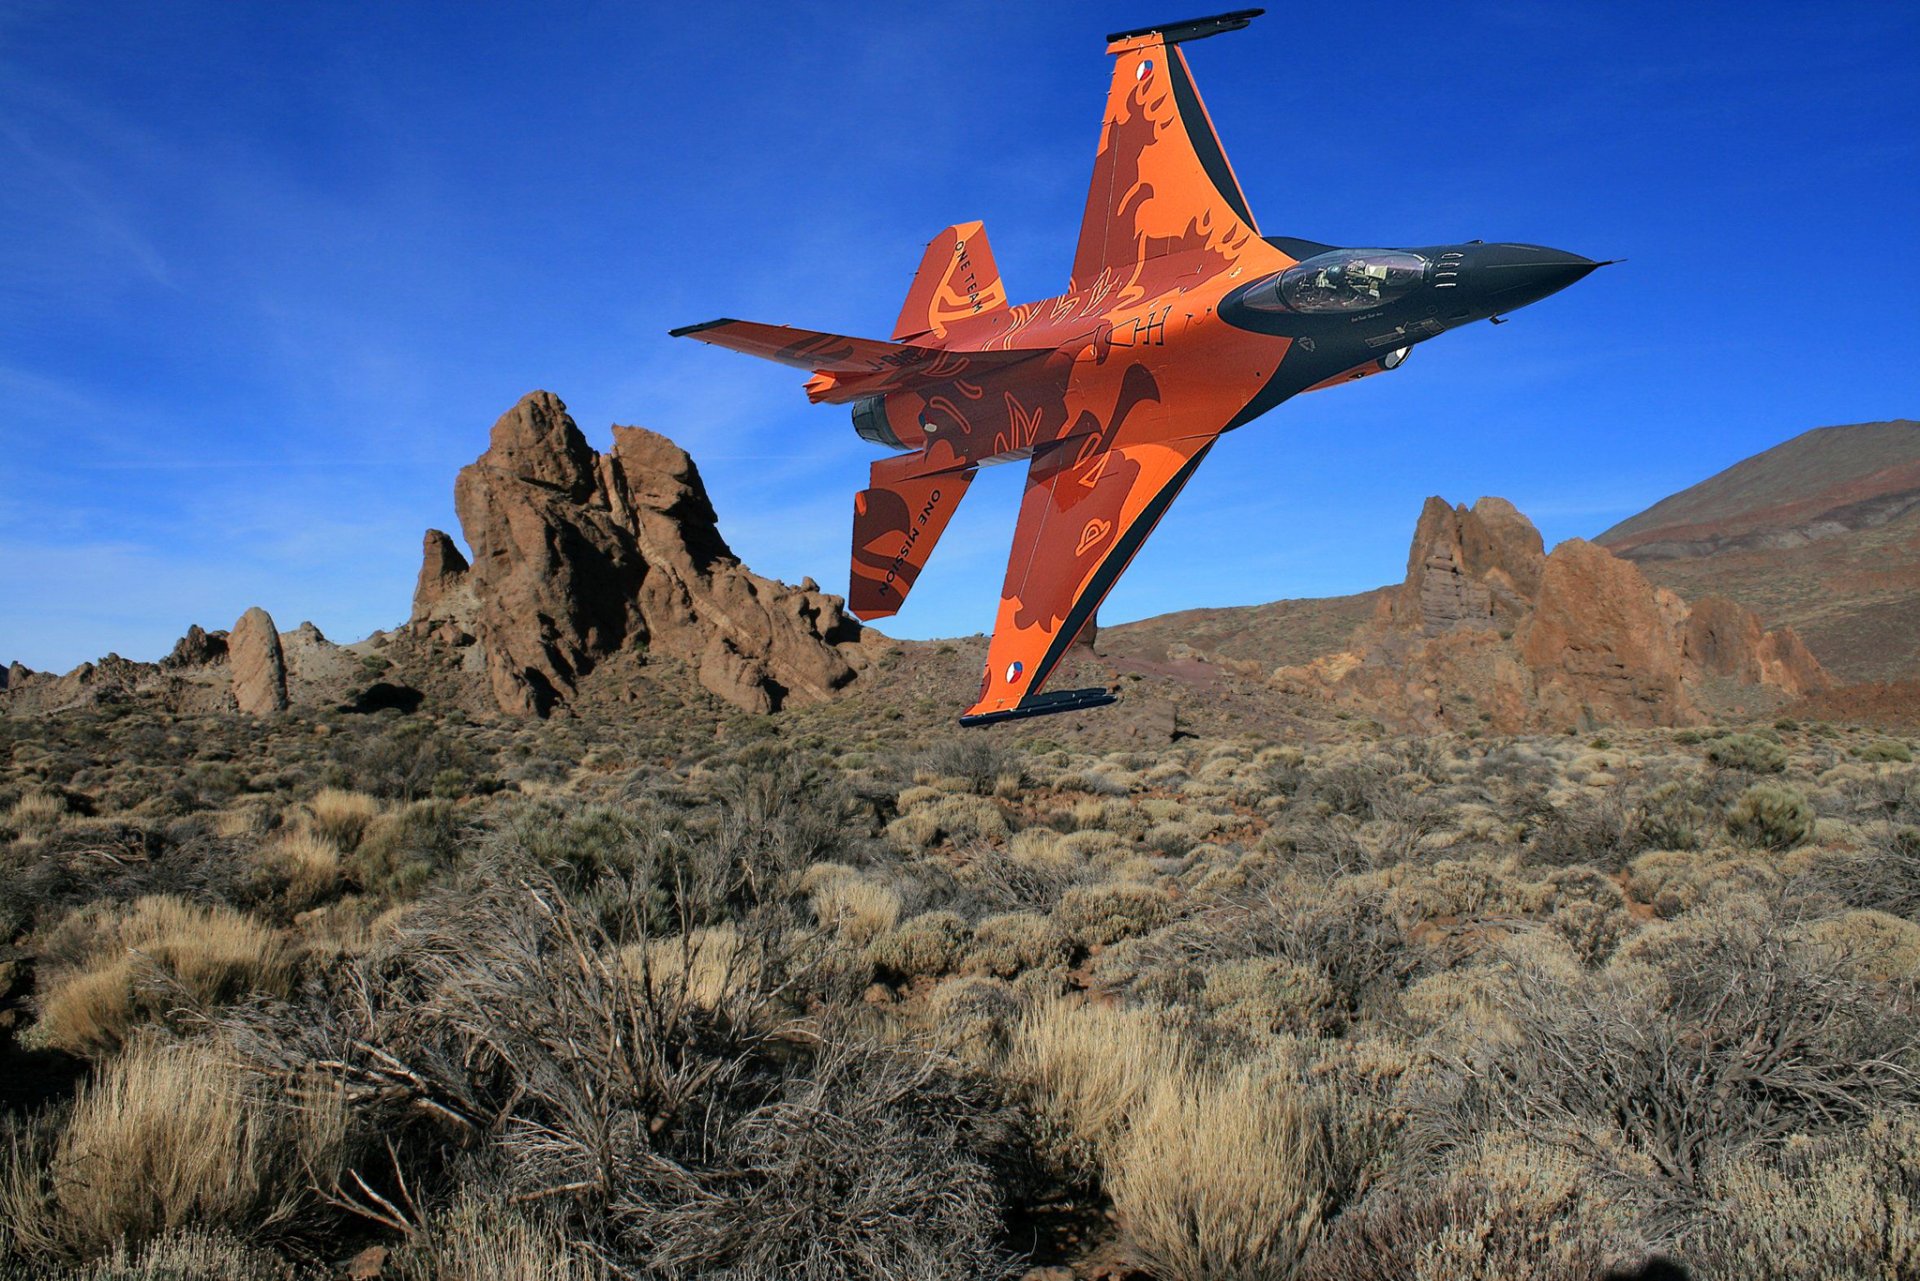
[{"x": 1821, "y": 533}]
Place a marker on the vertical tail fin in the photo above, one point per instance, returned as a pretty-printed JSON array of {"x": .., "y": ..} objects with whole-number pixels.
[{"x": 957, "y": 279}]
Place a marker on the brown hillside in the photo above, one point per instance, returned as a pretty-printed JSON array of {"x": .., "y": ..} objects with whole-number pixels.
[{"x": 1821, "y": 533}]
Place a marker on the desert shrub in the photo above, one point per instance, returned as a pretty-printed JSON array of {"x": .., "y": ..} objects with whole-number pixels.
[
  {"x": 1588, "y": 911},
  {"x": 1749, "y": 752},
  {"x": 1511, "y": 1209},
  {"x": 1674, "y": 882},
  {"x": 342, "y": 817},
  {"x": 1597, "y": 831},
  {"x": 172, "y": 1136},
  {"x": 1669, "y": 817},
  {"x": 691, "y": 1129},
  {"x": 1842, "y": 1206},
  {"x": 1010, "y": 942},
  {"x": 1099, "y": 914},
  {"x": 1703, "y": 1038},
  {"x": 1770, "y": 816},
  {"x": 974, "y": 1019},
  {"x": 475, "y": 1238},
  {"x": 1033, "y": 872},
  {"x": 111, "y": 969},
  {"x": 190, "y": 1254},
  {"x": 975, "y": 759},
  {"x": 1227, "y": 1175},
  {"x": 408, "y": 759},
  {"x": 405, "y": 847},
  {"x": 927, "y": 945},
  {"x": 1262, "y": 996},
  {"x": 1885, "y": 876},
  {"x": 1884, "y": 749},
  {"x": 914, "y": 831},
  {"x": 1086, "y": 1069},
  {"x": 1868, "y": 944}
]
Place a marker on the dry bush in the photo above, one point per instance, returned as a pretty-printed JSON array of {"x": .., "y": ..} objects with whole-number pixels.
[
  {"x": 1032, "y": 873},
  {"x": 1598, "y": 831},
  {"x": 1096, "y": 915},
  {"x": 1227, "y": 1176},
  {"x": 974, "y": 1019},
  {"x": 1748, "y": 752},
  {"x": 924, "y": 946},
  {"x": 476, "y": 1239},
  {"x": 1885, "y": 876},
  {"x": 1087, "y": 1069},
  {"x": 116, "y": 968},
  {"x": 1704, "y": 1037},
  {"x": 172, "y": 1136},
  {"x": 405, "y": 847},
  {"x": 691, "y": 1127},
  {"x": 190, "y": 1254},
  {"x": 1670, "y": 817},
  {"x": 1769, "y": 816},
  {"x": 1675, "y": 882},
  {"x": 975, "y": 760},
  {"x": 1511, "y": 1210},
  {"x": 1262, "y": 996},
  {"x": 1010, "y": 942},
  {"x": 342, "y": 817},
  {"x": 1845, "y": 1206},
  {"x": 1868, "y": 944}
]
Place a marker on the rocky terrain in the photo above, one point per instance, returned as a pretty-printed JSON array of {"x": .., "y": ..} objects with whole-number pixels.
[
  {"x": 625, "y": 914},
  {"x": 1821, "y": 533},
  {"x": 1489, "y": 630},
  {"x": 591, "y": 572}
]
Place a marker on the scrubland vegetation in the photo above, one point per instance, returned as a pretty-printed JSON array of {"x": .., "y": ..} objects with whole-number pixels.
[{"x": 815, "y": 999}]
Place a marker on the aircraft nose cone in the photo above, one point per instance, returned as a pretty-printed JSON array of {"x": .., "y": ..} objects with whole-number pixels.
[{"x": 1508, "y": 277}]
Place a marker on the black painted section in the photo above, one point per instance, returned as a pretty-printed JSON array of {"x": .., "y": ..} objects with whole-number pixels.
[{"x": 1066, "y": 700}]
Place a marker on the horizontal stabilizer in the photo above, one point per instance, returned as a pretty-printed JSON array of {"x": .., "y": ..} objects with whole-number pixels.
[
  {"x": 847, "y": 368},
  {"x": 896, "y": 522}
]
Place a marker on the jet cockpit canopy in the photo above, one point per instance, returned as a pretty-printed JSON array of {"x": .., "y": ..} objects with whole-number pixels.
[{"x": 1345, "y": 280}]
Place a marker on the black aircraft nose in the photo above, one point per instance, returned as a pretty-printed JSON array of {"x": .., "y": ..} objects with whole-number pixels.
[{"x": 1505, "y": 278}]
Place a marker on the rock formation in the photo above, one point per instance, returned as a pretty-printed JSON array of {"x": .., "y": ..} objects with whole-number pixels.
[
  {"x": 259, "y": 665},
  {"x": 1487, "y": 629},
  {"x": 198, "y": 648},
  {"x": 579, "y": 556}
]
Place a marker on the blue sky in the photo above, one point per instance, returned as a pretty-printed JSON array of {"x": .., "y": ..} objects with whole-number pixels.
[{"x": 269, "y": 272}]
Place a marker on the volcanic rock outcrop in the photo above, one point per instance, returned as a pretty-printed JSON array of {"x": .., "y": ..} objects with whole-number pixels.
[
  {"x": 1488, "y": 630},
  {"x": 579, "y": 556}
]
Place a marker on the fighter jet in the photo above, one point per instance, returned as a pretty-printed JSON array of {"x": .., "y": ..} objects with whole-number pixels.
[{"x": 1180, "y": 322}]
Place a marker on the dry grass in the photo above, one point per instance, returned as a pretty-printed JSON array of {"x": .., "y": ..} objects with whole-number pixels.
[
  {"x": 478, "y": 1240},
  {"x": 857, "y": 909},
  {"x": 1089, "y": 1068},
  {"x": 310, "y": 861},
  {"x": 172, "y": 1136},
  {"x": 1225, "y": 1176},
  {"x": 37, "y": 813},
  {"x": 342, "y": 817},
  {"x": 157, "y": 954}
]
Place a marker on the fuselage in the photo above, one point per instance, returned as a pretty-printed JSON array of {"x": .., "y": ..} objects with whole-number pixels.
[{"x": 1225, "y": 337}]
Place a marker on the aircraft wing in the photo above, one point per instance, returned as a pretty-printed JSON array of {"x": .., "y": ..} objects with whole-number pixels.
[
  {"x": 1161, "y": 181},
  {"x": 1085, "y": 513},
  {"x": 847, "y": 368}
]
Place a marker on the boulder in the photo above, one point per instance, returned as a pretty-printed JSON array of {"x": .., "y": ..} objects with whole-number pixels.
[
  {"x": 578, "y": 556},
  {"x": 258, "y": 664}
]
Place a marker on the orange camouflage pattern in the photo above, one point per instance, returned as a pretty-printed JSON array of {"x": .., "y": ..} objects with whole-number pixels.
[{"x": 1114, "y": 390}]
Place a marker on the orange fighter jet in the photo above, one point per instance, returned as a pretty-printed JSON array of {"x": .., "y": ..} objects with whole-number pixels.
[{"x": 1181, "y": 322}]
